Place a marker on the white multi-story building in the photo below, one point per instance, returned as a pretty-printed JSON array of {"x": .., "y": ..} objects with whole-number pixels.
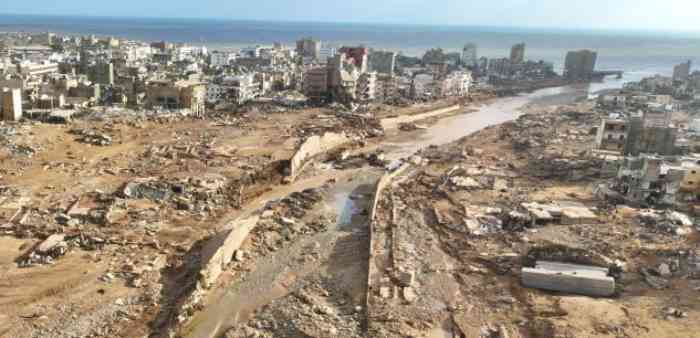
[
  {"x": 456, "y": 84},
  {"x": 138, "y": 52},
  {"x": 219, "y": 59},
  {"x": 37, "y": 69},
  {"x": 251, "y": 52},
  {"x": 325, "y": 53},
  {"x": 241, "y": 88}
]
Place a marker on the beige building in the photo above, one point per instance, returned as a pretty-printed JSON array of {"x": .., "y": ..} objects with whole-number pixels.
[
  {"x": 177, "y": 95},
  {"x": 316, "y": 83},
  {"x": 11, "y": 104}
]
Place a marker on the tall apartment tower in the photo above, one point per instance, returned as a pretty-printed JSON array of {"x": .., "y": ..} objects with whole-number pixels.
[
  {"x": 681, "y": 72},
  {"x": 580, "y": 65},
  {"x": 517, "y": 53},
  {"x": 469, "y": 55},
  {"x": 308, "y": 47},
  {"x": 382, "y": 62}
]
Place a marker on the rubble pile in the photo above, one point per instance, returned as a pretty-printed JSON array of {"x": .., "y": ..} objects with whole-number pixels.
[
  {"x": 671, "y": 222},
  {"x": 510, "y": 213},
  {"x": 285, "y": 220},
  {"x": 92, "y": 137},
  {"x": 556, "y": 148},
  {"x": 194, "y": 194},
  {"x": 316, "y": 308},
  {"x": 353, "y": 124}
]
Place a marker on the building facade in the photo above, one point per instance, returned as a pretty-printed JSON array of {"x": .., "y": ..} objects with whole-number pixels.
[
  {"x": 681, "y": 72},
  {"x": 517, "y": 53},
  {"x": 382, "y": 62},
  {"x": 580, "y": 65},
  {"x": 469, "y": 55}
]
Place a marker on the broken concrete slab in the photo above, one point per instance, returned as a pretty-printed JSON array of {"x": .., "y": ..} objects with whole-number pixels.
[
  {"x": 569, "y": 278},
  {"x": 50, "y": 244}
]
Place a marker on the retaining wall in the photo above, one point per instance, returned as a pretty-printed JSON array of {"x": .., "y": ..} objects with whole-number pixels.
[
  {"x": 393, "y": 123},
  {"x": 312, "y": 147},
  {"x": 218, "y": 251},
  {"x": 382, "y": 184}
]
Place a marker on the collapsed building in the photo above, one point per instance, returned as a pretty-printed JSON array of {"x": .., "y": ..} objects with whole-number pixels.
[
  {"x": 654, "y": 180},
  {"x": 638, "y": 133}
]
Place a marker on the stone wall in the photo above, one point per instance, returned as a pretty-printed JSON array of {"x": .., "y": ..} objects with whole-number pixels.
[
  {"x": 312, "y": 147},
  {"x": 218, "y": 251},
  {"x": 382, "y": 184}
]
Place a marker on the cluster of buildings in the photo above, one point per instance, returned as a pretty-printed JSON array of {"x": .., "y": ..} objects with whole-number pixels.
[
  {"x": 70, "y": 73},
  {"x": 683, "y": 85},
  {"x": 52, "y": 73},
  {"x": 43, "y": 73},
  {"x": 509, "y": 69},
  {"x": 652, "y": 156},
  {"x": 359, "y": 74},
  {"x": 578, "y": 66}
]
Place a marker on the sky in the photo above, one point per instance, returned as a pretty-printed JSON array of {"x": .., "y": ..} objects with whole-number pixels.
[{"x": 668, "y": 15}]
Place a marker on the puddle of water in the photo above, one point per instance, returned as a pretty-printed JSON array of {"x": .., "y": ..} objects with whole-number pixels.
[{"x": 345, "y": 206}]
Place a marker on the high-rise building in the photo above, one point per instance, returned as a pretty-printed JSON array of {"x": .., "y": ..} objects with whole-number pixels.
[
  {"x": 316, "y": 83},
  {"x": 681, "y": 72},
  {"x": 308, "y": 47},
  {"x": 517, "y": 53},
  {"x": 382, "y": 62},
  {"x": 102, "y": 73},
  {"x": 469, "y": 55},
  {"x": 580, "y": 65}
]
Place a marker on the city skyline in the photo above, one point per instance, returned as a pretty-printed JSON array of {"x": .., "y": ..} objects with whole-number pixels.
[{"x": 673, "y": 15}]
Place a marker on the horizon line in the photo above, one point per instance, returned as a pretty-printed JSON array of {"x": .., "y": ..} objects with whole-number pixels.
[{"x": 636, "y": 31}]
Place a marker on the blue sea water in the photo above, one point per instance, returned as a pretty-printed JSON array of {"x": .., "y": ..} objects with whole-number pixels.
[{"x": 638, "y": 53}]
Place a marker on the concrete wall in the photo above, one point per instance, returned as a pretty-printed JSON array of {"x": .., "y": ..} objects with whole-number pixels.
[
  {"x": 382, "y": 184},
  {"x": 393, "y": 123},
  {"x": 218, "y": 251},
  {"x": 312, "y": 147}
]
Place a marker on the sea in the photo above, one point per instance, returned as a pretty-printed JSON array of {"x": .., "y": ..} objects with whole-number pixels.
[{"x": 638, "y": 53}]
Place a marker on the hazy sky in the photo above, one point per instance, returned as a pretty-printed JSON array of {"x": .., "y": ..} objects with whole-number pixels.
[{"x": 682, "y": 15}]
